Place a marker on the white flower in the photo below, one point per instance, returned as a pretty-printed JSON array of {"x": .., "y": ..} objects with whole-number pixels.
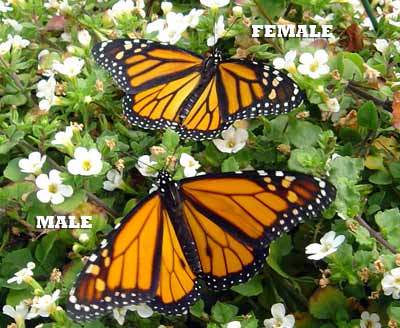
[
  {"x": 33, "y": 163},
  {"x": 63, "y": 137},
  {"x": 142, "y": 309},
  {"x": 114, "y": 180},
  {"x": 4, "y": 7},
  {"x": 237, "y": 11},
  {"x": 84, "y": 38},
  {"x": 45, "y": 305},
  {"x": 214, "y": 3},
  {"x": 314, "y": 65},
  {"x": 287, "y": 62},
  {"x": 156, "y": 26},
  {"x": 175, "y": 26},
  {"x": 329, "y": 244},
  {"x": 17, "y": 41},
  {"x": 13, "y": 23},
  {"x": 19, "y": 314},
  {"x": 381, "y": 45},
  {"x": 5, "y": 47},
  {"x": 391, "y": 283},
  {"x": 51, "y": 188},
  {"x": 145, "y": 165},
  {"x": 369, "y": 320},
  {"x": 23, "y": 275},
  {"x": 85, "y": 162},
  {"x": 331, "y": 105},
  {"x": 66, "y": 37},
  {"x": 83, "y": 238},
  {"x": 126, "y": 7},
  {"x": 323, "y": 20},
  {"x": 71, "y": 66},
  {"x": 233, "y": 140},
  {"x": 45, "y": 90},
  {"x": 193, "y": 18},
  {"x": 279, "y": 319},
  {"x": 219, "y": 32},
  {"x": 166, "y": 7},
  {"x": 357, "y": 5},
  {"x": 119, "y": 314},
  {"x": 233, "y": 324},
  {"x": 189, "y": 164}
]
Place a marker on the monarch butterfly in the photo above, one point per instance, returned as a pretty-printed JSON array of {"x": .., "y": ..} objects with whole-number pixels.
[
  {"x": 214, "y": 227},
  {"x": 167, "y": 86}
]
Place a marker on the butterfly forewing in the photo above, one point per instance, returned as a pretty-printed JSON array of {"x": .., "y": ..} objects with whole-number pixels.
[
  {"x": 137, "y": 64},
  {"x": 234, "y": 216}
]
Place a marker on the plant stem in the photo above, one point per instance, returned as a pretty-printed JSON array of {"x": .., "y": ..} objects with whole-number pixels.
[
  {"x": 375, "y": 234},
  {"x": 356, "y": 89},
  {"x": 370, "y": 13},
  {"x": 53, "y": 163}
]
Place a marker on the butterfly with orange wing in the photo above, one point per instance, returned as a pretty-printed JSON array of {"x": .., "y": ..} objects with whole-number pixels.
[
  {"x": 214, "y": 227},
  {"x": 167, "y": 86}
]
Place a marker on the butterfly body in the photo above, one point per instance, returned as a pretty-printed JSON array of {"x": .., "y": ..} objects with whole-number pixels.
[
  {"x": 167, "y": 86},
  {"x": 214, "y": 227}
]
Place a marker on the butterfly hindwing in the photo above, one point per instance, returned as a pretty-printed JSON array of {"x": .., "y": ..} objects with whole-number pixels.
[{"x": 234, "y": 216}]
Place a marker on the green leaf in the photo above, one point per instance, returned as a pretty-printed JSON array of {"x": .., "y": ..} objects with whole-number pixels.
[
  {"x": 197, "y": 309},
  {"x": 170, "y": 140},
  {"x": 367, "y": 116},
  {"x": 17, "y": 189},
  {"x": 326, "y": 302},
  {"x": 71, "y": 203},
  {"x": 250, "y": 323},
  {"x": 252, "y": 287},
  {"x": 388, "y": 222},
  {"x": 394, "y": 169},
  {"x": 380, "y": 178},
  {"x": 273, "y": 8},
  {"x": 306, "y": 160},
  {"x": 394, "y": 311},
  {"x": 16, "y": 100},
  {"x": 223, "y": 313},
  {"x": 303, "y": 134},
  {"x": 230, "y": 165},
  {"x": 13, "y": 172},
  {"x": 346, "y": 167}
]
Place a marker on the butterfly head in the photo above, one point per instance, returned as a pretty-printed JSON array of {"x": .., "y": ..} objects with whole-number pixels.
[{"x": 164, "y": 179}]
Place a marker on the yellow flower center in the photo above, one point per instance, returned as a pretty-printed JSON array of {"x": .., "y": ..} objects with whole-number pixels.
[
  {"x": 53, "y": 188},
  {"x": 231, "y": 143},
  {"x": 86, "y": 165},
  {"x": 314, "y": 66}
]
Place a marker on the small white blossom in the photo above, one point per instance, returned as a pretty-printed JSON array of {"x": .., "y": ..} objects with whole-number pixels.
[
  {"x": 193, "y": 18},
  {"x": 83, "y": 238},
  {"x": 381, "y": 45},
  {"x": 84, "y": 38},
  {"x": 279, "y": 318},
  {"x": 233, "y": 324},
  {"x": 71, "y": 66},
  {"x": 85, "y": 162},
  {"x": 125, "y": 8},
  {"x": 329, "y": 244},
  {"x": 13, "y": 23},
  {"x": 32, "y": 164},
  {"x": 237, "y": 11},
  {"x": 23, "y": 275},
  {"x": 166, "y": 7},
  {"x": 331, "y": 105},
  {"x": 142, "y": 309},
  {"x": 219, "y": 32},
  {"x": 233, "y": 140},
  {"x": 5, "y": 47},
  {"x": 315, "y": 65},
  {"x": 146, "y": 166},
  {"x": 51, "y": 188},
  {"x": 156, "y": 26},
  {"x": 119, "y": 314},
  {"x": 357, "y": 5},
  {"x": 189, "y": 164},
  {"x": 19, "y": 313},
  {"x": 323, "y": 20},
  {"x": 287, "y": 62},
  {"x": 391, "y": 283},
  {"x": 45, "y": 90},
  {"x": 214, "y": 3},
  {"x": 17, "y": 41},
  {"x": 114, "y": 180},
  {"x": 59, "y": 6},
  {"x": 4, "y": 7},
  {"x": 370, "y": 320},
  {"x": 172, "y": 31},
  {"x": 45, "y": 305},
  {"x": 66, "y": 37},
  {"x": 63, "y": 138}
]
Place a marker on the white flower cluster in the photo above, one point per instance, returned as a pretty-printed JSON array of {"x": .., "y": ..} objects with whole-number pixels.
[{"x": 13, "y": 42}]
